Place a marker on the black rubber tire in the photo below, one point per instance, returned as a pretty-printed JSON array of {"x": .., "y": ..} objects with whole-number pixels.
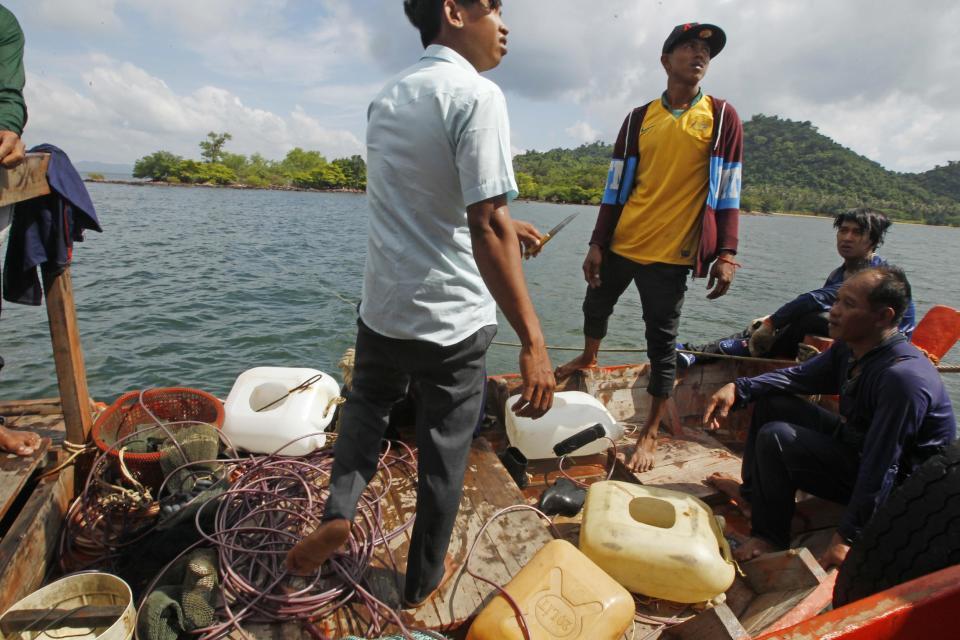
[{"x": 916, "y": 532}]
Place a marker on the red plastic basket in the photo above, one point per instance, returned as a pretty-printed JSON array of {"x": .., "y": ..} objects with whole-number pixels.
[{"x": 171, "y": 404}]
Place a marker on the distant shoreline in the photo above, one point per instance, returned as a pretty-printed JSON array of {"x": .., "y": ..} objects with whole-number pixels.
[
  {"x": 245, "y": 187},
  {"x": 241, "y": 187}
]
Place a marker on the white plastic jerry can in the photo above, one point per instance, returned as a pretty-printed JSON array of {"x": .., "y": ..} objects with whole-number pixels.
[
  {"x": 263, "y": 415},
  {"x": 572, "y": 412}
]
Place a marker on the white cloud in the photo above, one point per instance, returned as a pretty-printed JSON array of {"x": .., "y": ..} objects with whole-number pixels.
[
  {"x": 344, "y": 96},
  {"x": 123, "y": 113},
  {"x": 306, "y": 131},
  {"x": 82, "y": 15},
  {"x": 876, "y": 75},
  {"x": 258, "y": 38},
  {"x": 582, "y": 132},
  {"x": 901, "y": 126}
]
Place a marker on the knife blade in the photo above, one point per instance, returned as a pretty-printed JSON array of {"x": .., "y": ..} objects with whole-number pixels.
[{"x": 550, "y": 234}]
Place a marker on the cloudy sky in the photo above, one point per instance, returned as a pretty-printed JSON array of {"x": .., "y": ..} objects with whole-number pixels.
[{"x": 113, "y": 80}]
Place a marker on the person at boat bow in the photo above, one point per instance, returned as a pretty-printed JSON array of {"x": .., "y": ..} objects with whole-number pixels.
[
  {"x": 671, "y": 205},
  {"x": 779, "y": 335},
  {"x": 13, "y": 108},
  {"x": 13, "y": 118},
  {"x": 894, "y": 414},
  {"x": 443, "y": 252}
]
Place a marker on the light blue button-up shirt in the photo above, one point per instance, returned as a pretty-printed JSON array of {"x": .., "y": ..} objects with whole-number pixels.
[{"x": 438, "y": 140}]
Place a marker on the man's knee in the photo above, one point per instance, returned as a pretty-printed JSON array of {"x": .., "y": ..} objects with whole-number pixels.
[{"x": 774, "y": 438}]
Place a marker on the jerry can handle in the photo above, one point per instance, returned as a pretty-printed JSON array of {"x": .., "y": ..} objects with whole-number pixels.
[
  {"x": 579, "y": 439},
  {"x": 717, "y": 524}
]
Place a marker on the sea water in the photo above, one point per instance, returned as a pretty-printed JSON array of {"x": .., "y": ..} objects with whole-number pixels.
[{"x": 192, "y": 286}]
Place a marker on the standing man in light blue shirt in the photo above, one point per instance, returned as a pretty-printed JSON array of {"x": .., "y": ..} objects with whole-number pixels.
[{"x": 442, "y": 253}]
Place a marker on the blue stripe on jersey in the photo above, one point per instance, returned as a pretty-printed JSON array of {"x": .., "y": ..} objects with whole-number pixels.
[{"x": 614, "y": 176}]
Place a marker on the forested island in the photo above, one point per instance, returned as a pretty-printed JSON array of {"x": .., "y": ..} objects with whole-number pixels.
[
  {"x": 789, "y": 167},
  {"x": 299, "y": 169}
]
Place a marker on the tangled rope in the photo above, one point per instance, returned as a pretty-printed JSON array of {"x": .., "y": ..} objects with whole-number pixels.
[
  {"x": 114, "y": 510},
  {"x": 271, "y": 504}
]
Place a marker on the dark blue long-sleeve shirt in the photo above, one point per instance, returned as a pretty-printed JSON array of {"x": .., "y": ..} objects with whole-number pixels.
[
  {"x": 894, "y": 408},
  {"x": 44, "y": 229},
  {"x": 820, "y": 300}
]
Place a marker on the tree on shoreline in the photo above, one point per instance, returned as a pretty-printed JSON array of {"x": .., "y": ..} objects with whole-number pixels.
[
  {"x": 211, "y": 149},
  {"x": 157, "y": 166}
]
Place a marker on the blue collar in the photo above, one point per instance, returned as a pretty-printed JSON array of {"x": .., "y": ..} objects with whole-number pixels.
[{"x": 679, "y": 112}]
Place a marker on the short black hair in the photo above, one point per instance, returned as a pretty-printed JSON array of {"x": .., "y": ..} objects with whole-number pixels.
[
  {"x": 892, "y": 289},
  {"x": 425, "y": 15},
  {"x": 869, "y": 220}
]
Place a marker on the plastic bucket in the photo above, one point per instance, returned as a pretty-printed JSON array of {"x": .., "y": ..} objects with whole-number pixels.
[
  {"x": 168, "y": 404},
  {"x": 72, "y": 592}
]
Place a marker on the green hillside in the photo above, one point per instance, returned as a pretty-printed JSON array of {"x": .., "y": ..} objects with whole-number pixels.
[
  {"x": 788, "y": 167},
  {"x": 944, "y": 181}
]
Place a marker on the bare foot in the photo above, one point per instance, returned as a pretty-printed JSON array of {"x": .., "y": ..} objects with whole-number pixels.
[
  {"x": 752, "y": 548},
  {"x": 449, "y": 570},
  {"x": 641, "y": 457},
  {"x": 311, "y": 552},
  {"x": 22, "y": 443},
  {"x": 729, "y": 486},
  {"x": 582, "y": 361}
]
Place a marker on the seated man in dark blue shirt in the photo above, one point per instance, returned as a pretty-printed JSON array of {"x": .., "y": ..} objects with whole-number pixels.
[
  {"x": 859, "y": 233},
  {"x": 894, "y": 414}
]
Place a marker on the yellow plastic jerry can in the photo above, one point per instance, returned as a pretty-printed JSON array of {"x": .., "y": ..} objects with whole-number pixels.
[
  {"x": 563, "y": 595},
  {"x": 659, "y": 543}
]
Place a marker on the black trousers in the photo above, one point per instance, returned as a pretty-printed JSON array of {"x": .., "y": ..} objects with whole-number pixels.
[
  {"x": 661, "y": 287},
  {"x": 792, "y": 445},
  {"x": 449, "y": 386},
  {"x": 815, "y": 324}
]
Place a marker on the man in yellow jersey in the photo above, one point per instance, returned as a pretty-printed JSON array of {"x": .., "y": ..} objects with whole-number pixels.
[{"x": 671, "y": 205}]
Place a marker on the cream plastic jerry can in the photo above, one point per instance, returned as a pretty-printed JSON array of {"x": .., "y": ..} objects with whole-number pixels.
[
  {"x": 262, "y": 415},
  {"x": 562, "y": 595},
  {"x": 659, "y": 543}
]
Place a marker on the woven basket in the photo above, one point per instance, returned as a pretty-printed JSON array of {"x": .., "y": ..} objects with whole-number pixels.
[{"x": 171, "y": 404}]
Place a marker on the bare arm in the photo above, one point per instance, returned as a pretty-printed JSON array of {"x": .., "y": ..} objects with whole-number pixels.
[{"x": 496, "y": 249}]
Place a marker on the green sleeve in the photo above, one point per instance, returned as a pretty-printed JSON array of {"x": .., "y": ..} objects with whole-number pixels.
[{"x": 13, "y": 109}]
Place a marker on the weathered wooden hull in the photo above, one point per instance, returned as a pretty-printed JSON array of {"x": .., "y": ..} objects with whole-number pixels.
[{"x": 780, "y": 595}]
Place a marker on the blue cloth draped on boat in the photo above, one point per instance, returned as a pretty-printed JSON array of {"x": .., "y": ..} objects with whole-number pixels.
[{"x": 44, "y": 229}]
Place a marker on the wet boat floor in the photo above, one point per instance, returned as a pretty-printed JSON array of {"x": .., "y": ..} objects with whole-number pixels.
[{"x": 683, "y": 463}]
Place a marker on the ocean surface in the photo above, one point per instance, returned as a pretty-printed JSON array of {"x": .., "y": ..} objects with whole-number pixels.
[{"x": 192, "y": 286}]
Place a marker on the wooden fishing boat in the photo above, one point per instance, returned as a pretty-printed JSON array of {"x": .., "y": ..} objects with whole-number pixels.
[{"x": 779, "y": 595}]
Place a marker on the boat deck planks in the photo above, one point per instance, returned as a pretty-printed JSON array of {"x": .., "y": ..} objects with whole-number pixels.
[
  {"x": 32, "y": 511},
  {"x": 684, "y": 462},
  {"x": 15, "y": 471},
  {"x": 506, "y": 546}
]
